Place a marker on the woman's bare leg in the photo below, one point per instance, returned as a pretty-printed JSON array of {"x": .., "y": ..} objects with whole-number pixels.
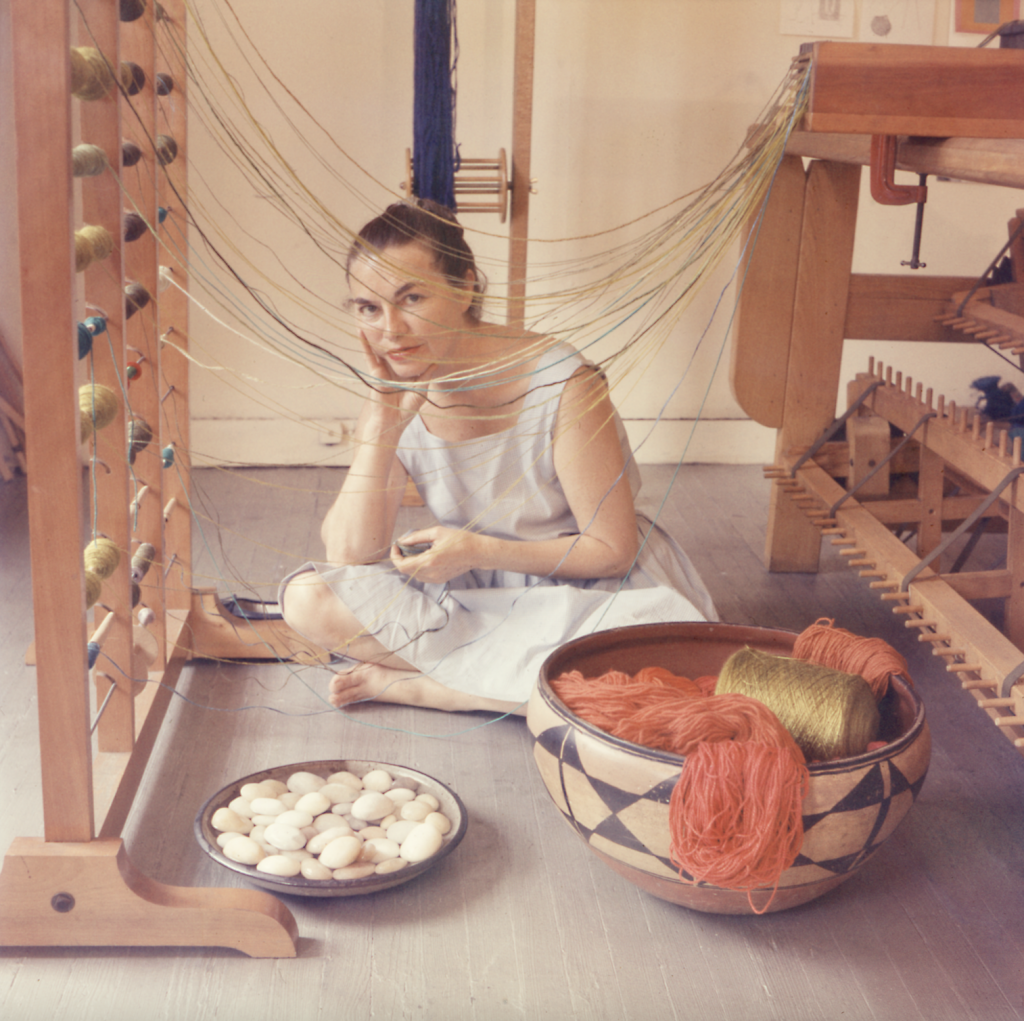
[{"x": 312, "y": 609}]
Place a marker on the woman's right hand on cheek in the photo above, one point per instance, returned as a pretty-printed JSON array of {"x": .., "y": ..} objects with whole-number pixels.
[{"x": 391, "y": 396}]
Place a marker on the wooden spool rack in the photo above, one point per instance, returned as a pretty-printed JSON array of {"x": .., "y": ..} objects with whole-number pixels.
[{"x": 77, "y": 885}]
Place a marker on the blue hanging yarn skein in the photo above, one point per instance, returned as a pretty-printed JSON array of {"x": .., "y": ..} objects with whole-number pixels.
[{"x": 433, "y": 121}]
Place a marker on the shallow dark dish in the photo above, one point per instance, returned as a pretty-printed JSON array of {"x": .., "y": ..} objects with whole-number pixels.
[
  {"x": 616, "y": 794},
  {"x": 451, "y": 806}
]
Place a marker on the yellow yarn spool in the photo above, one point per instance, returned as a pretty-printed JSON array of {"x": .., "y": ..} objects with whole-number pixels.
[
  {"x": 102, "y": 556},
  {"x": 93, "y": 588},
  {"x": 830, "y": 714},
  {"x": 88, "y": 161},
  {"x": 91, "y": 76},
  {"x": 92, "y": 243},
  {"x": 98, "y": 406}
]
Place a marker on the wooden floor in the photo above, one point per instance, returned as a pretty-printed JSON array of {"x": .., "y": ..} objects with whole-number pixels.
[{"x": 522, "y": 921}]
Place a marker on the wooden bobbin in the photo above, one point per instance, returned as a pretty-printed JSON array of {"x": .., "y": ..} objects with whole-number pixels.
[{"x": 485, "y": 182}]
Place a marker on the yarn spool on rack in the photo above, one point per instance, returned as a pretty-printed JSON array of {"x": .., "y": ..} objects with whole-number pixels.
[
  {"x": 831, "y": 714},
  {"x": 93, "y": 243},
  {"x": 98, "y": 406},
  {"x": 92, "y": 77},
  {"x": 484, "y": 180},
  {"x": 139, "y": 436},
  {"x": 88, "y": 160}
]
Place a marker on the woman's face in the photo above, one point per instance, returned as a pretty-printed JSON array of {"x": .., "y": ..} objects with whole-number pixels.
[{"x": 407, "y": 312}]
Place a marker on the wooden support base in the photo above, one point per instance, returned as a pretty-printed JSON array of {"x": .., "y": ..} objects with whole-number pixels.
[
  {"x": 90, "y": 894},
  {"x": 216, "y": 633}
]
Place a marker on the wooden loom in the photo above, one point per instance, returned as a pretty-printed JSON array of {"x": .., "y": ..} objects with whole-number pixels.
[
  {"x": 801, "y": 300},
  {"x": 77, "y": 886}
]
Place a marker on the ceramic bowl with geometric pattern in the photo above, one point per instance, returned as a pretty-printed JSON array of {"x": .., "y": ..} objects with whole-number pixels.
[{"x": 616, "y": 794}]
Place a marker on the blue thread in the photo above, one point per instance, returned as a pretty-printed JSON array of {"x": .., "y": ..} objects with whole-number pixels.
[{"x": 433, "y": 159}]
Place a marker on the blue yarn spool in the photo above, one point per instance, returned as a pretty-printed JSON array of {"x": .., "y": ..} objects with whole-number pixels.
[
  {"x": 86, "y": 331},
  {"x": 93, "y": 649},
  {"x": 433, "y": 152},
  {"x": 167, "y": 456}
]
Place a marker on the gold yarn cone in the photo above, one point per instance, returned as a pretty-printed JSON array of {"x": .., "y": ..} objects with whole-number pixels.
[{"x": 830, "y": 714}]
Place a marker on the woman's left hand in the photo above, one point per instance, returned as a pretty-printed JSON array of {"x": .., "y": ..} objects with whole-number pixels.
[{"x": 452, "y": 552}]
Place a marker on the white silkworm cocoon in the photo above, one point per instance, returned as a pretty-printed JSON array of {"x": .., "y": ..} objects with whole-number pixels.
[
  {"x": 340, "y": 852},
  {"x": 390, "y": 865},
  {"x": 400, "y": 795},
  {"x": 321, "y": 840},
  {"x": 429, "y": 799},
  {"x": 223, "y": 839},
  {"x": 304, "y": 782},
  {"x": 339, "y": 792},
  {"x": 267, "y": 806},
  {"x": 314, "y": 802},
  {"x": 416, "y": 810},
  {"x": 424, "y": 841},
  {"x": 329, "y": 821},
  {"x": 401, "y": 829},
  {"x": 279, "y": 865},
  {"x": 226, "y": 820},
  {"x": 295, "y": 817},
  {"x": 439, "y": 821},
  {"x": 379, "y": 849},
  {"x": 242, "y": 807},
  {"x": 284, "y": 837},
  {"x": 289, "y": 799},
  {"x": 313, "y": 869},
  {"x": 245, "y": 851},
  {"x": 372, "y": 806},
  {"x": 358, "y": 871},
  {"x": 347, "y": 778},
  {"x": 378, "y": 780}
]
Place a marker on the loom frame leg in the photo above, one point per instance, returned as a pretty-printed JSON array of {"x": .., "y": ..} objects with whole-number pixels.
[{"x": 91, "y": 894}]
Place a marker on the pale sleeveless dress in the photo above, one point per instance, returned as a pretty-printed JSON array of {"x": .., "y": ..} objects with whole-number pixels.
[{"x": 488, "y": 632}]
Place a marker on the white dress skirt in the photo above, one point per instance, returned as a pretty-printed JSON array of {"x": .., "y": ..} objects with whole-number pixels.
[{"x": 488, "y": 632}]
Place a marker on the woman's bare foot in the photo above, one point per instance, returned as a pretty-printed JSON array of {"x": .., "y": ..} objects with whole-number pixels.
[{"x": 368, "y": 681}]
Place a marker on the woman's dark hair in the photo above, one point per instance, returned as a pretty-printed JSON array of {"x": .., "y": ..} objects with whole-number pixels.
[{"x": 428, "y": 223}]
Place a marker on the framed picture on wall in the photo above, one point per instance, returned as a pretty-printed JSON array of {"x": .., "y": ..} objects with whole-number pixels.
[{"x": 984, "y": 16}]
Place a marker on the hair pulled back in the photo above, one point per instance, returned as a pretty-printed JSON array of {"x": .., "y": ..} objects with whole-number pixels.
[{"x": 425, "y": 222}]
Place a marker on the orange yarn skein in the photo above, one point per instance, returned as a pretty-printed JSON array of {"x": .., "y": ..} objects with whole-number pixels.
[
  {"x": 874, "y": 659},
  {"x": 735, "y": 812}
]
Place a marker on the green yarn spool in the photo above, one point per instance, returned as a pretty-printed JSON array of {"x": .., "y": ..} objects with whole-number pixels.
[{"x": 830, "y": 714}]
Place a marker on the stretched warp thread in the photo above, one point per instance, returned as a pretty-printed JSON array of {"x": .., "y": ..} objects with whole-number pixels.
[{"x": 872, "y": 658}]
